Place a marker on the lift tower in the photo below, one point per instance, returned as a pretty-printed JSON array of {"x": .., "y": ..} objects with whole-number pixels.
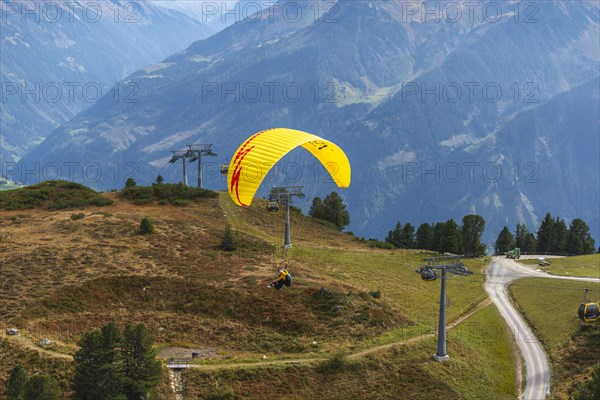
[
  {"x": 283, "y": 195},
  {"x": 181, "y": 155},
  {"x": 196, "y": 152},
  {"x": 444, "y": 264}
]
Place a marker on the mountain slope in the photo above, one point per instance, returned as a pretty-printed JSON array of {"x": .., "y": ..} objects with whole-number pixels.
[
  {"x": 59, "y": 58},
  {"x": 362, "y": 81},
  {"x": 63, "y": 276},
  {"x": 308, "y": 74}
]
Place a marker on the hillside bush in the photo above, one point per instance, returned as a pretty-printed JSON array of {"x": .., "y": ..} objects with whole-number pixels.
[
  {"x": 166, "y": 193},
  {"x": 228, "y": 243},
  {"x": 146, "y": 226},
  {"x": 336, "y": 363},
  {"x": 221, "y": 392}
]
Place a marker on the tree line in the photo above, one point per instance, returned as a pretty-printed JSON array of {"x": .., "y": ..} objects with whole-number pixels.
[
  {"x": 553, "y": 236},
  {"x": 442, "y": 237},
  {"x": 110, "y": 365}
]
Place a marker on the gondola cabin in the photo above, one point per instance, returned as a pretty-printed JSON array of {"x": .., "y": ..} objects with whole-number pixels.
[
  {"x": 589, "y": 312},
  {"x": 272, "y": 207},
  {"x": 428, "y": 275}
]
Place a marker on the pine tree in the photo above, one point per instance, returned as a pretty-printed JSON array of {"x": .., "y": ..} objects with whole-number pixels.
[
  {"x": 159, "y": 180},
  {"x": 558, "y": 243},
  {"x": 451, "y": 240},
  {"x": 111, "y": 373},
  {"x": 15, "y": 386},
  {"x": 98, "y": 365},
  {"x": 438, "y": 234},
  {"x": 87, "y": 363},
  {"x": 530, "y": 244},
  {"x": 142, "y": 370},
  {"x": 471, "y": 231},
  {"x": 393, "y": 236},
  {"x": 424, "y": 237},
  {"x": 505, "y": 241},
  {"x": 579, "y": 240},
  {"x": 42, "y": 387},
  {"x": 545, "y": 234},
  {"x": 317, "y": 209},
  {"x": 407, "y": 236},
  {"x": 521, "y": 233},
  {"x": 335, "y": 210}
]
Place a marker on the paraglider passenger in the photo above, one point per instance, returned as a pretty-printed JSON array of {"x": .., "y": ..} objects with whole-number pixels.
[{"x": 280, "y": 281}]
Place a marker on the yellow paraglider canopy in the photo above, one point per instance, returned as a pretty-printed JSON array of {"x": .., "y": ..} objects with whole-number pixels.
[{"x": 257, "y": 155}]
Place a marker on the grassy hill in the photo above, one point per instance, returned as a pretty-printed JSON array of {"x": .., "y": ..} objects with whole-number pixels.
[
  {"x": 550, "y": 307},
  {"x": 64, "y": 275},
  {"x": 585, "y": 266},
  {"x": 53, "y": 195}
]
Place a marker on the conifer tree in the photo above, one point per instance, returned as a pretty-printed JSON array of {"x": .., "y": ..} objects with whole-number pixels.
[
  {"x": 393, "y": 236},
  {"x": 407, "y": 236},
  {"x": 335, "y": 211},
  {"x": 545, "y": 234},
  {"x": 15, "y": 386},
  {"x": 505, "y": 241},
  {"x": 142, "y": 369},
  {"x": 424, "y": 237},
  {"x": 471, "y": 231},
  {"x": 451, "y": 240},
  {"x": 42, "y": 387},
  {"x": 579, "y": 240}
]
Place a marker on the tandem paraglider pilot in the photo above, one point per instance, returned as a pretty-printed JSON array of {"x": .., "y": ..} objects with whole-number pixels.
[{"x": 285, "y": 278}]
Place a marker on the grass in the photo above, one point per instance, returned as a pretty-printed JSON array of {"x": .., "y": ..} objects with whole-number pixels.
[
  {"x": 392, "y": 274},
  {"x": 584, "y": 266},
  {"x": 550, "y": 306},
  {"x": 480, "y": 367}
]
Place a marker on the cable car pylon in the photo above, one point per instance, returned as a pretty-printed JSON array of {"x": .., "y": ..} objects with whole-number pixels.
[
  {"x": 283, "y": 195},
  {"x": 445, "y": 264}
]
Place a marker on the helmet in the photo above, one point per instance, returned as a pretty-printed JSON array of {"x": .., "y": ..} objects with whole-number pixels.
[{"x": 281, "y": 271}]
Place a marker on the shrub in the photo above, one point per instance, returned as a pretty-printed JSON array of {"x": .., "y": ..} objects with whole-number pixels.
[
  {"x": 146, "y": 226},
  {"x": 77, "y": 216},
  {"x": 221, "y": 392},
  {"x": 130, "y": 183},
  {"x": 228, "y": 243},
  {"x": 180, "y": 202},
  {"x": 336, "y": 363},
  {"x": 166, "y": 193}
]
